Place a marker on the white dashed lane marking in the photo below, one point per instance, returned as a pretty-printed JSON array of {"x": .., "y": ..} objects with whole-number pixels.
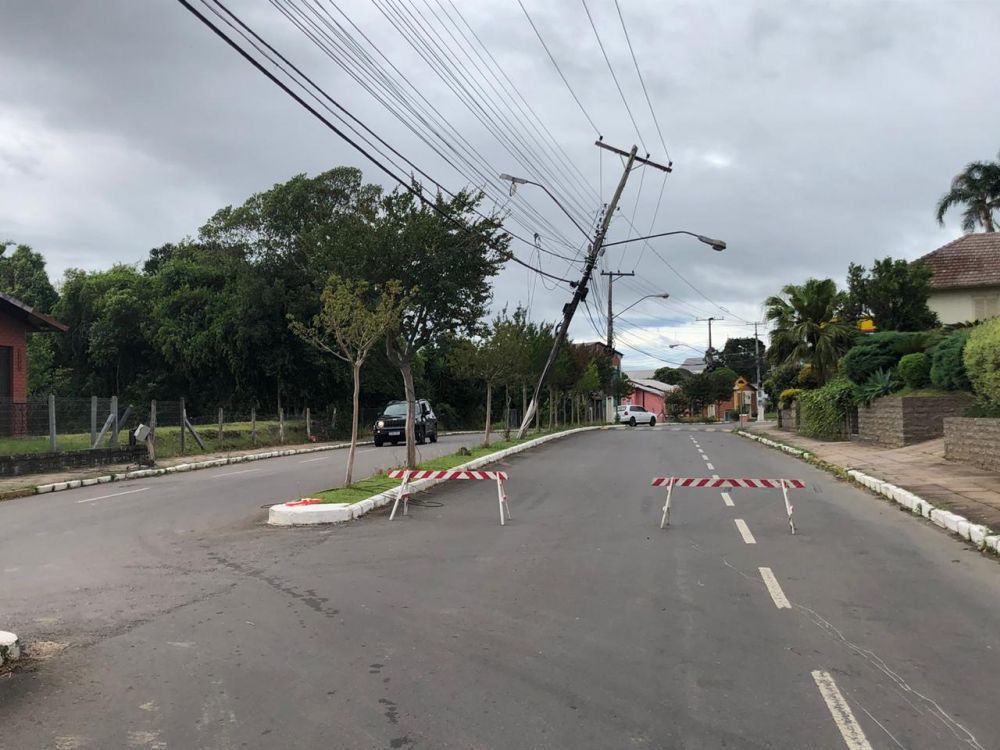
[
  {"x": 710, "y": 467},
  {"x": 774, "y": 589},
  {"x": 728, "y": 500},
  {"x": 843, "y": 717},
  {"x": 113, "y": 494},
  {"x": 233, "y": 473},
  {"x": 745, "y": 531}
]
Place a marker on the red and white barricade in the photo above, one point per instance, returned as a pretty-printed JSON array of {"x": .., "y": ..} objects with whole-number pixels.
[
  {"x": 410, "y": 475},
  {"x": 753, "y": 484}
]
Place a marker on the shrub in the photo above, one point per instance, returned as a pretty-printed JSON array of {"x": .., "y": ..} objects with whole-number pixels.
[
  {"x": 947, "y": 364},
  {"x": 982, "y": 361},
  {"x": 914, "y": 370},
  {"x": 823, "y": 412},
  {"x": 880, "y": 351},
  {"x": 782, "y": 378},
  {"x": 880, "y": 384},
  {"x": 787, "y": 397}
]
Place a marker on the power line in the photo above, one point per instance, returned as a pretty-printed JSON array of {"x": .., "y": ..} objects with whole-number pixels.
[
  {"x": 643, "y": 82},
  {"x": 615, "y": 77},
  {"x": 558, "y": 69}
]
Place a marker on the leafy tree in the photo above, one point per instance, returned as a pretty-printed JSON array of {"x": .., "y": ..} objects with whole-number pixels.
[
  {"x": 444, "y": 256},
  {"x": 672, "y": 375},
  {"x": 977, "y": 189},
  {"x": 740, "y": 355},
  {"x": 982, "y": 362},
  {"x": 23, "y": 276},
  {"x": 807, "y": 329},
  {"x": 894, "y": 294},
  {"x": 588, "y": 384},
  {"x": 354, "y": 317},
  {"x": 700, "y": 391},
  {"x": 782, "y": 378}
]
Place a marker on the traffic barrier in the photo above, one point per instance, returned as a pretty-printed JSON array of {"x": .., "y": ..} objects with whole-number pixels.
[
  {"x": 409, "y": 475},
  {"x": 752, "y": 484}
]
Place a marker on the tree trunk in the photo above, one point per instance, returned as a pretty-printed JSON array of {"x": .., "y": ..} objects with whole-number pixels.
[
  {"x": 988, "y": 220},
  {"x": 354, "y": 424},
  {"x": 506, "y": 413},
  {"x": 489, "y": 410},
  {"x": 406, "y": 371},
  {"x": 524, "y": 403}
]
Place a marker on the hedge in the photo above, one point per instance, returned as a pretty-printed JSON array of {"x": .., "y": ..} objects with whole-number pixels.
[
  {"x": 881, "y": 351},
  {"x": 947, "y": 363},
  {"x": 915, "y": 370},
  {"x": 982, "y": 361},
  {"x": 823, "y": 412}
]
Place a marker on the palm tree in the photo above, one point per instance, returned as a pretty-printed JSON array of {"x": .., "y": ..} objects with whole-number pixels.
[
  {"x": 807, "y": 330},
  {"x": 977, "y": 187}
]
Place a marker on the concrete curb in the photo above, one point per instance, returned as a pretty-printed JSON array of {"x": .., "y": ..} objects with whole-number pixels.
[
  {"x": 195, "y": 465},
  {"x": 305, "y": 515},
  {"x": 977, "y": 534},
  {"x": 10, "y": 648}
]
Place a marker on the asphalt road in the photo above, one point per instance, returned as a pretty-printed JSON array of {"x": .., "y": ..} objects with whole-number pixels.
[{"x": 579, "y": 625}]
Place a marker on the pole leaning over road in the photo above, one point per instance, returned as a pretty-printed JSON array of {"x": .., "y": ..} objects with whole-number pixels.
[{"x": 580, "y": 293}]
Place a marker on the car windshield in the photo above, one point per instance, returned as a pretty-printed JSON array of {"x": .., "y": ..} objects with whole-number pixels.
[{"x": 395, "y": 410}]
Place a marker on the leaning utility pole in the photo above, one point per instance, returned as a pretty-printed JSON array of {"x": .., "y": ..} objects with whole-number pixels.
[
  {"x": 611, "y": 315},
  {"x": 580, "y": 293}
]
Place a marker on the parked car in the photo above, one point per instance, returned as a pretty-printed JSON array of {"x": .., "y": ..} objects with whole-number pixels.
[
  {"x": 390, "y": 427},
  {"x": 632, "y": 414}
]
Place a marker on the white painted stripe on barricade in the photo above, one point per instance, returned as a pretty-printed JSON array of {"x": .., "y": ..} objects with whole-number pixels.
[
  {"x": 408, "y": 475},
  {"x": 716, "y": 483}
]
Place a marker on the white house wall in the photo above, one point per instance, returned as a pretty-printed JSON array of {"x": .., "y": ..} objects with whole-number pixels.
[{"x": 959, "y": 305}]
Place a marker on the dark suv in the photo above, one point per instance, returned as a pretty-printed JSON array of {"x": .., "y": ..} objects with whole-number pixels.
[{"x": 390, "y": 427}]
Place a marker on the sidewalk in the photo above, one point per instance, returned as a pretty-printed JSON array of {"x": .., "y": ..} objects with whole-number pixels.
[{"x": 922, "y": 469}]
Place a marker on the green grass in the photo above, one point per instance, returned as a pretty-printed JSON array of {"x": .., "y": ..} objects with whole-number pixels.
[{"x": 379, "y": 482}]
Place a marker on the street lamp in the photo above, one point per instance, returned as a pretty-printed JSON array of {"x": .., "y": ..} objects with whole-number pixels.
[
  {"x": 664, "y": 295},
  {"x": 515, "y": 181},
  {"x": 717, "y": 245}
]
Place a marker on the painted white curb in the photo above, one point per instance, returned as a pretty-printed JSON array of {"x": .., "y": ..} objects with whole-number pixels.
[
  {"x": 303, "y": 515},
  {"x": 10, "y": 648},
  {"x": 979, "y": 535},
  {"x": 143, "y": 473}
]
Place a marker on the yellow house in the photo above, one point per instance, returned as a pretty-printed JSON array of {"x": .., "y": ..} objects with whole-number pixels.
[{"x": 744, "y": 396}]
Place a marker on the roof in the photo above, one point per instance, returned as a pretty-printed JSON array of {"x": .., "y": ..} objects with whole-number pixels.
[
  {"x": 25, "y": 313},
  {"x": 694, "y": 364},
  {"x": 973, "y": 260},
  {"x": 598, "y": 345},
  {"x": 652, "y": 385}
]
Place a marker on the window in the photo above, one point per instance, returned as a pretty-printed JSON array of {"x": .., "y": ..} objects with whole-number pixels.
[{"x": 986, "y": 306}]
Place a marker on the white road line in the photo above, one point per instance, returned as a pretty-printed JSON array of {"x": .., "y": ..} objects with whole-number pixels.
[
  {"x": 715, "y": 476},
  {"x": 774, "y": 589},
  {"x": 728, "y": 500},
  {"x": 849, "y": 728},
  {"x": 233, "y": 473},
  {"x": 114, "y": 494},
  {"x": 745, "y": 531},
  {"x": 710, "y": 467},
  {"x": 310, "y": 460}
]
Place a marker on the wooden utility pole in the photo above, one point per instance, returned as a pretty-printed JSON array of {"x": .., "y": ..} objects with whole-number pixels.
[
  {"x": 580, "y": 293},
  {"x": 611, "y": 314}
]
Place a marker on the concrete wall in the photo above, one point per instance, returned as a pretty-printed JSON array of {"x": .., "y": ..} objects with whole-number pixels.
[
  {"x": 896, "y": 421},
  {"x": 959, "y": 305},
  {"x": 973, "y": 441},
  {"x": 786, "y": 419},
  {"x": 35, "y": 463}
]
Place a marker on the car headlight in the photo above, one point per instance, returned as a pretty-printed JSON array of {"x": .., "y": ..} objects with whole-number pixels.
[{"x": 380, "y": 424}]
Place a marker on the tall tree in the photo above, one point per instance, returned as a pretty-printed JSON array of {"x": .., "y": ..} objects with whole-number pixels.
[
  {"x": 977, "y": 188},
  {"x": 740, "y": 355},
  {"x": 445, "y": 257},
  {"x": 807, "y": 329},
  {"x": 23, "y": 275},
  {"x": 354, "y": 317},
  {"x": 893, "y": 293},
  {"x": 672, "y": 375}
]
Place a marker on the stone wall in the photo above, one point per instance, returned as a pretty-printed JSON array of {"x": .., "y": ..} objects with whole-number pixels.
[
  {"x": 973, "y": 441},
  {"x": 788, "y": 419},
  {"x": 895, "y": 421},
  {"x": 37, "y": 463}
]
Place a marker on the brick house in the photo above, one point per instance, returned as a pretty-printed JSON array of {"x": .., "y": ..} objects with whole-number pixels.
[
  {"x": 966, "y": 283},
  {"x": 17, "y": 320}
]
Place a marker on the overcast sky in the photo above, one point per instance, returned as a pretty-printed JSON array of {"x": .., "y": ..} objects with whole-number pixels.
[{"x": 806, "y": 134}]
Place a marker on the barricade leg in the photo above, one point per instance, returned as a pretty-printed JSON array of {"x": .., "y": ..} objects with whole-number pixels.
[
  {"x": 788, "y": 506},
  {"x": 665, "y": 520},
  {"x": 502, "y": 499},
  {"x": 403, "y": 493}
]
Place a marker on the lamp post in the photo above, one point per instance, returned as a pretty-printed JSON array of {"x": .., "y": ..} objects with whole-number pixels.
[{"x": 717, "y": 245}]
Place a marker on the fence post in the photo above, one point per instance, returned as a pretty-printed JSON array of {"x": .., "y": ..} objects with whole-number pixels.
[
  {"x": 52, "y": 422},
  {"x": 93, "y": 420},
  {"x": 151, "y": 440},
  {"x": 114, "y": 421},
  {"x": 253, "y": 425},
  {"x": 309, "y": 430},
  {"x": 281, "y": 425},
  {"x": 183, "y": 424},
  {"x": 220, "y": 427}
]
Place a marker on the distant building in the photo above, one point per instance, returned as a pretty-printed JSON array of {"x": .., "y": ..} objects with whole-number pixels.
[
  {"x": 694, "y": 365},
  {"x": 966, "y": 281},
  {"x": 650, "y": 395}
]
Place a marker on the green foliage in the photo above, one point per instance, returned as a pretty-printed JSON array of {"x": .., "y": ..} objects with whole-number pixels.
[
  {"x": 740, "y": 355},
  {"x": 894, "y": 294},
  {"x": 823, "y": 411},
  {"x": 982, "y": 361},
  {"x": 787, "y": 397},
  {"x": 880, "y": 383},
  {"x": 914, "y": 370},
  {"x": 782, "y": 378},
  {"x": 977, "y": 189},
  {"x": 23, "y": 276},
  {"x": 947, "y": 363},
  {"x": 807, "y": 327},
  {"x": 672, "y": 375},
  {"x": 880, "y": 351}
]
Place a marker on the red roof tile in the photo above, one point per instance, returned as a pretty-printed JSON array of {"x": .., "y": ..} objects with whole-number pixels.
[{"x": 973, "y": 260}]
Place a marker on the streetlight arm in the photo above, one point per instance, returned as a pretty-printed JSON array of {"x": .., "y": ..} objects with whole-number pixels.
[
  {"x": 717, "y": 245},
  {"x": 522, "y": 181},
  {"x": 648, "y": 296}
]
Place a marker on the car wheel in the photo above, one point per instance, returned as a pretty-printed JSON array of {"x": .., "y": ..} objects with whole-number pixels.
[
  {"x": 394, "y": 442},
  {"x": 434, "y": 437},
  {"x": 631, "y": 421},
  {"x": 421, "y": 437},
  {"x": 378, "y": 442},
  {"x": 652, "y": 421}
]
